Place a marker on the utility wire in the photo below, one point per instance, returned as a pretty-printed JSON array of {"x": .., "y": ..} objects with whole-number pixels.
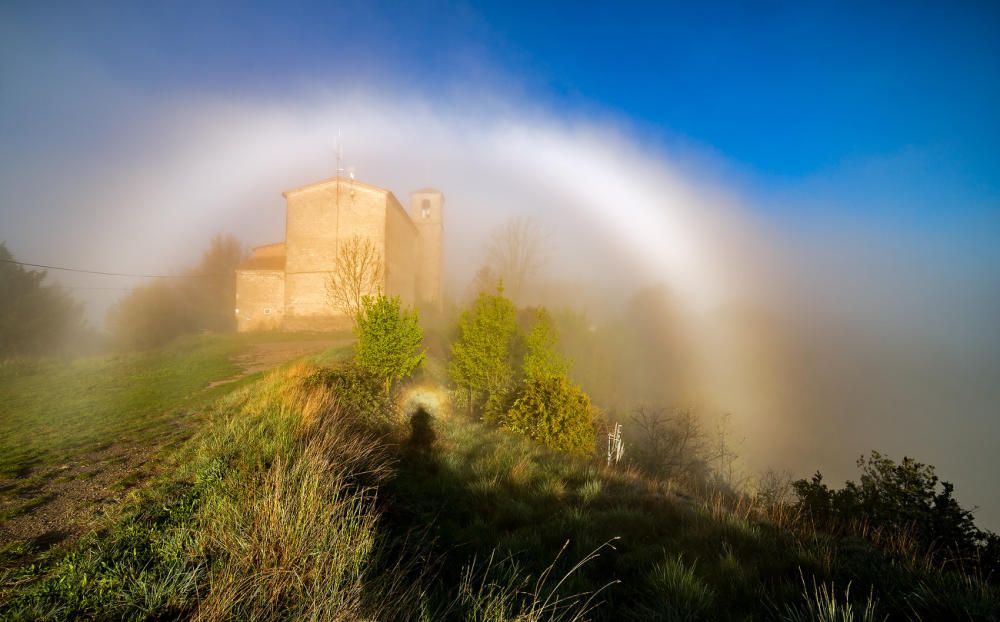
[
  {"x": 121, "y": 289},
  {"x": 59, "y": 286},
  {"x": 140, "y": 276}
]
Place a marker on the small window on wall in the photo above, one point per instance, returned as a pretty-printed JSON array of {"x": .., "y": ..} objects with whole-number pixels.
[
  {"x": 425, "y": 208},
  {"x": 267, "y": 311}
]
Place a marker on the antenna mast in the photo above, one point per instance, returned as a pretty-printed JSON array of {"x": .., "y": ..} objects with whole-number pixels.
[
  {"x": 340, "y": 157},
  {"x": 340, "y": 154}
]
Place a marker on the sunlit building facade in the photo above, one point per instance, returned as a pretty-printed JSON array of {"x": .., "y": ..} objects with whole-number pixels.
[{"x": 284, "y": 285}]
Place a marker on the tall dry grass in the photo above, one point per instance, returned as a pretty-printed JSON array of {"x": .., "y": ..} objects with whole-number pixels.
[
  {"x": 272, "y": 512},
  {"x": 299, "y": 538}
]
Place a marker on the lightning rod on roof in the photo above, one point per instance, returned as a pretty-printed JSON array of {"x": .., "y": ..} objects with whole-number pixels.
[
  {"x": 340, "y": 154},
  {"x": 340, "y": 158}
]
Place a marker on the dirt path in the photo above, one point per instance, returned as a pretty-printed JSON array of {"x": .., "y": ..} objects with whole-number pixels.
[
  {"x": 62, "y": 502},
  {"x": 264, "y": 356}
]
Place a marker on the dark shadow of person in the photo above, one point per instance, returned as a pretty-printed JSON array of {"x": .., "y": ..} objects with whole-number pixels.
[{"x": 421, "y": 433}]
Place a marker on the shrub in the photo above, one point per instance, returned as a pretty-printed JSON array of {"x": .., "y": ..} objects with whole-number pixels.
[
  {"x": 482, "y": 357},
  {"x": 893, "y": 498},
  {"x": 390, "y": 341},
  {"x": 554, "y": 412},
  {"x": 671, "y": 444},
  {"x": 541, "y": 359},
  {"x": 357, "y": 392}
]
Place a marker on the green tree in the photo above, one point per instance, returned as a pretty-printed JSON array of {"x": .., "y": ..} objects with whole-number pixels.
[
  {"x": 541, "y": 360},
  {"x": 215, "y": 281},
  {"x": 556, "y": 413},
  {"x": 390, "y": 340},
  {"x": 202, "y": 298},
  {"x": 482, "y": 357},
  {"x": 151, "y": 315},
  {"x": 34, "y": 318}
]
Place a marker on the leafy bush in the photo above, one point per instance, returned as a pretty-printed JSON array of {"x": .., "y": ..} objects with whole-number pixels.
[
  {"x": 896, "y": 498},
  {"x": 357, "y": 392},
  {"x": 389, "y": 339},
  {"x": 482, "y": 358},
  {"x": 556, "y": 413}
]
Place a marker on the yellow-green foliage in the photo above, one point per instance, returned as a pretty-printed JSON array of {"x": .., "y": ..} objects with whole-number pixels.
[
  {"x": 482, "y": 358},
  {"x": 390, "y": 341},
  {"x": 358, "y": 393},
  {"x": 541, "y": 358},
  {"x": 556, "y": 413}
]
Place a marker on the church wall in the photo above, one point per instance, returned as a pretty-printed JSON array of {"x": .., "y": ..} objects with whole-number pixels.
[
  {"x": 260, "y": 299},
  {"x": 428, "y": 219},
  {"x": 401, "y": 253},
  {"x": 318, "y": 218}
]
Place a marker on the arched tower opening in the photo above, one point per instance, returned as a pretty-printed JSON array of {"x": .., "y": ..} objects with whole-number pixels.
[{"x": 426, "y": 211}]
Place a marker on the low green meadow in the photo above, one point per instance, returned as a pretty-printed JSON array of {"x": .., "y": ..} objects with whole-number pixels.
[{"x": 287, "y": 502}]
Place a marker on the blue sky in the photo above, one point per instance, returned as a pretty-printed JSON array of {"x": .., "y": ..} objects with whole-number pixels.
[{"x": 783, "y": 89}]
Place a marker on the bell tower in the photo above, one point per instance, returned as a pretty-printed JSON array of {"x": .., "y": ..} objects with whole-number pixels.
[{"x": 426, "y": 207}]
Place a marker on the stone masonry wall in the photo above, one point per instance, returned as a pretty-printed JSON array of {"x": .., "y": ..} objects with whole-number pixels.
[
  {"x": 260, "y": 299},
  {"x": 400, "y": 253},
  {"x": 318, "y": 218}
]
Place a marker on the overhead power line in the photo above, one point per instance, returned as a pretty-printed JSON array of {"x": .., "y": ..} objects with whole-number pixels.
[
  {"x": 121, "y": 289},
  {"x": 126, "y": 274}
]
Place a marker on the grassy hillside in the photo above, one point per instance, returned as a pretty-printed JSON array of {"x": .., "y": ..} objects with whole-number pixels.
[
  {"x": 54, "y": 410},
  {"x": 296, "y": 500},
  {"x": 75, "y": 435},
  {"x": 664, "y": 554}
]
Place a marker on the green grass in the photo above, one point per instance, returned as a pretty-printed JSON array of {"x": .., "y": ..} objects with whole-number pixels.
[
  {"x": 77, "y": 435},
  {"x": 482, "y": 492},
  {"x": 285, "y": 505},
  {"x": 54, "y": 411},
  {"x": 271, "y": 511}
]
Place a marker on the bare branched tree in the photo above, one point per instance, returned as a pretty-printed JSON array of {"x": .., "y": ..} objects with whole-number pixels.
[
  {"x": 672, "y": 445},
  {"x": 517, "y": 254},
  {"x": 724, "y": 452},
  {"x": 483, "y": 282},
  {"x": 357, "y": 273}
]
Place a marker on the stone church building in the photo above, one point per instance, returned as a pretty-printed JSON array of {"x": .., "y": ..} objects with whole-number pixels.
[{"x": 283, "y": 285}]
